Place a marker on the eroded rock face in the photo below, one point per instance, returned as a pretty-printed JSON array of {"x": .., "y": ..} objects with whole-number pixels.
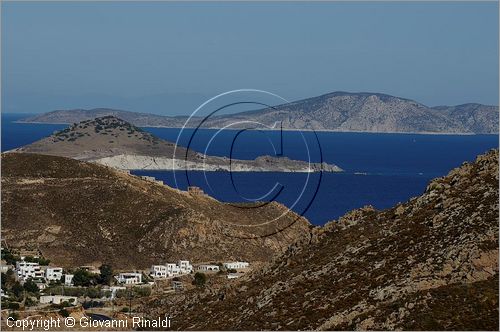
[{"x": 430, "y": 263}]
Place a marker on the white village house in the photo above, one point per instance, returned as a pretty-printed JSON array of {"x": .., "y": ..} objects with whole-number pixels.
[
  {"x": 207, "y": 267},
  {"x": 68, "y": 279},
  {"x": 185, "y": 267},
  {"x": 158, "y": 271},
  {"x": 171, "y": 269},
  {"x": 236, "y": 265},
  {"x": 57, "y": 299},
  {"x": 26, "y": 270},
  {"x": 53, "y": 273},
  {"x": 129, "y": 278}
]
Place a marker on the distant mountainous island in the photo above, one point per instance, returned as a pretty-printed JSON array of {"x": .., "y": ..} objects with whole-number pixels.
[
  {"x": 116, "y": 143},
  {"x": 337, "y": 111}
]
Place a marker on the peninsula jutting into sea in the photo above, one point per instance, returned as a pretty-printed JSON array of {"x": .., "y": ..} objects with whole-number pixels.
[{"x": 113, "y": 142}]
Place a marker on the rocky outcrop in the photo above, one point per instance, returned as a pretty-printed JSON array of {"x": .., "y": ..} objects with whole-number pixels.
[
  {"x": 116, "y": 143},
  {"x": 216, "y": 164},
  {"x": 428, "y": 264},
  {"x": 79, "y": 213}
]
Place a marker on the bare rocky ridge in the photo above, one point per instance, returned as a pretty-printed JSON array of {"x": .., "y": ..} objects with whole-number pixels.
[
  {"x": 372, "y": 112},
  {"x": 428, "y": 264},
  {"x": 337, "y": 111},
  {"x": 114, "y": 142},
  {"x": 81, "y": 213}
]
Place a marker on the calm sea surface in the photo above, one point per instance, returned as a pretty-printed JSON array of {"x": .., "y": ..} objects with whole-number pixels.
[{"x": 380, "y": 169}]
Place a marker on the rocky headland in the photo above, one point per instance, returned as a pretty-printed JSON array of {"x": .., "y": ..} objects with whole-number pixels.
[{"x": 117, "y": 143}]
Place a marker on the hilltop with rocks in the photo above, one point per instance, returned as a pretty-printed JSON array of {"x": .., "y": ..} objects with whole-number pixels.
[{"x": 117, "y": 143}]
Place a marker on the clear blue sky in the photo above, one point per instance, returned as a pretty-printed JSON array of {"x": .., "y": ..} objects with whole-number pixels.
[{"x": 167, "y": 57}]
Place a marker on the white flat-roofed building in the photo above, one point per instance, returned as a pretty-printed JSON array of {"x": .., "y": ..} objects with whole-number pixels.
[
  {"x": 185, "y": 266},
  {"x": 233, "y": 276},
  {"x": 208, "y": 267},
  {"x": 173, "y": 269},
  {"x": 115, "y": 289},
  {"x": 236, "y": 265},
  {"x": 159, "y": 271},
  {"x": 68, "y": 279},
  {"x": 26, "y": 270},
  {"x": 53, "y": 273},
  {"x": 57, "y": 299},
  {"x": 129, "y": 278}
]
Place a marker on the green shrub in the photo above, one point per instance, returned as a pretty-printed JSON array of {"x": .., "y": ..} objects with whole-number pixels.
[
  {"x": 29, "y": 302},
  {"x": 142, "y": 291},
  {"x": 13, "y": 306},
  {"x": 82, "y": 278},
  {"x": 199, "y": 279},
  {"x": 63, "y": 312},
  {"x": 31, "y": 287},
  {"x": 17, "y": 289},
  {"x": 9, "y": 257}
]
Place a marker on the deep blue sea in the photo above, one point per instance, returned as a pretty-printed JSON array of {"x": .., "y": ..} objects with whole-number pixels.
[{"x": 380, "y": 169}]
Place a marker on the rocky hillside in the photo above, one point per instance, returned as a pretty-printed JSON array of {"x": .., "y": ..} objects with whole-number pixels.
[
  {"x": 79, "y": 115},
  {"x": 117, "y": 143},
  {"x": 478, "y": 118},
  {"x": 80, "y": 213},
  {"x": 337, "y": 111},
  {"x": 101, "y": 137},
  {"x": 428, "y": 264},
  {"x": 373, "y": 112}
]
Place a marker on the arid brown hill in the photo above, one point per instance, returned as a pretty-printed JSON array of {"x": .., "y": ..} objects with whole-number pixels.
[
  {"x": 77, "y": 213},
  {"x": 102, "y": 137},
  {"x": 430, "y": 263}
]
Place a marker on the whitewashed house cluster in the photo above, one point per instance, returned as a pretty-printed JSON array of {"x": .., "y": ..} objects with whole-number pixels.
[
  {"x": 171, "y": 269},
  {"x": 29, "y": 270},
  {"x": 41, "y": 274}
]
